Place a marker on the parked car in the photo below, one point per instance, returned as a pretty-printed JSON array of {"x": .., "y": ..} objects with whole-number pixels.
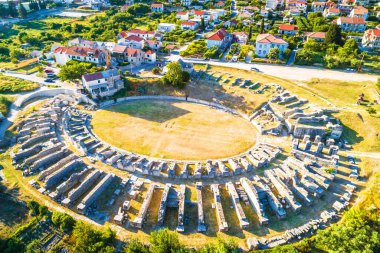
[
  {"x": 49, "y": 80},
  {"x": 255, "y": 69}
]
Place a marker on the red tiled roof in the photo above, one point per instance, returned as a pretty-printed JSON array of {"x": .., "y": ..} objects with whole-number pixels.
[
  {"x": 181, "y": 13},
  {"x": 157, "y": 5},
  {"x": 218, "y": 35},
  {"x": 360, "y": 10},
  {"x": 375, "y": 32},
  {"x": 138, "y": 31},
  {"x": 149, "y": 52},
  {"x": 348, "y": 20},
  {"x": 119, "y": 49},
  {"x": 78, "y": 51},
  {"x": 240, "y": 34},
  {"x": 134, "y": 38},
  {"x": 192, "y": 23},
  {"x": 333, "y": 10},
  {"x": 93, "y": 76},
  {"x": 220, "y": 3},
  {"x": 199, "y": 13},
  {"x": 269, "y": 38},
  {"x": 317, "y": 35},
  {"x": 286, "y": 27},
  {"x": 133, "y": 52},
  {"x": 151, "y": 42}
]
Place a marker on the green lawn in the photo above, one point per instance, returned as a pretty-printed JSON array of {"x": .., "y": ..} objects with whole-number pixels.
[{"x": 12, "y": 85}]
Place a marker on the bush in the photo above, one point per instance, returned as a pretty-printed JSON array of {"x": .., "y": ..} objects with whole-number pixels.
[{"x": 63, "y": 221}]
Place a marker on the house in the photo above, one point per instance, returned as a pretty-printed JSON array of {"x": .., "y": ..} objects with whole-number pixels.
[
  {"x": 250, "y": 8},
  {"x": 135, "y": 56},
  {"x": 230, "y": 23},
  {"x": 157, "y": 8},
  {"x": 318, "y": 6},
  {"x": 153, "y": 44},
  {"x": 119, "y": 52},
  {"x": 146, "y": 35},
  {"x": 64, "y": 54},
  {"x": 267, "y": 25},
  {"x": 165, "y": 27},
  {"x": 345, "y": 9},
  {"x": 331, "y": 4},
  {"x": 199, "y": 14},
  {"x": 186, "y": 2},
  {"x": 371, "y": 39},
  {"x": 104, "y": 83},
  {"x": 150, "y": 56},
  {"x": 182, "y": 15},
  {"x": 331, "y": 12},
  {"x": 301, "y": 6},
  {"x": 351, "y": 24},
  {"x": 359, "y": 12},
  {"x": 189, "y": 25},
  {"x": 245, "y": 15},
  {"x": 361, "y": 2},
  {"x": 264, "y": 42},
  {"x": 220, "y": 38},
  {"x": 272, "y": 4},
  {"x": 317, "y": 36},
  {"x": 240, "y": 37},
  {"x": 287, "y": 29},
  {"x": 264, "y": 13},
  {"x": 220, "y": 4},
  {"x": 294, "y": 12},
  {"x": 132, "y": 41},
  {"x": 79, "y": 42}
]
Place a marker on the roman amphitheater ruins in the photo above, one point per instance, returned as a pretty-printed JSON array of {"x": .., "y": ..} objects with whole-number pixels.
[{"x": 221, "y": 174}]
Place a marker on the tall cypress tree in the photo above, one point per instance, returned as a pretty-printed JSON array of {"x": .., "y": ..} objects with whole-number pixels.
[
  {"x": 334, "y": 35},
  {"x": 22, "y": 11}
]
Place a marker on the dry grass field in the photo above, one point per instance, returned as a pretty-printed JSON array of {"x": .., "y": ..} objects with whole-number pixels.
[{"x": 174, "y": 130}]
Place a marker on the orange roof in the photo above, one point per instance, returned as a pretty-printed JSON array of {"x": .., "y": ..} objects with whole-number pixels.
[
  {"x": 133, "y": 52},
  {"x": 181, "y": 13},
  {"x": 199, "y": 13},
  {"x": 220, "y": 3},
  {"x": 348, "y": 20},
  {"x": 134, "y": 38},
  {"x": 333, "y": 10},
  {"x": 375, "y": 32},
  {"x": 78, "y": 51},
  {"x": 151, "y": 42},
  {"x": 269, "y": 38},
  {"x": 149, "y": 52},
  {"x": 218, "y": 35},
  {"x": 359, "y": 10},
  {"x": 119, "y": 49},
  {"x": 157, "y": 5},
  {"x": 286, "y": 27},
  {"x": 189, "y": 23},
  {"x": 316, "y": 35}
]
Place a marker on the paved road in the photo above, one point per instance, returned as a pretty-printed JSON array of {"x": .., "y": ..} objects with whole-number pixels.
[
  {"x": 300, "y": 73},
  {"x": 40, "y": 80}
]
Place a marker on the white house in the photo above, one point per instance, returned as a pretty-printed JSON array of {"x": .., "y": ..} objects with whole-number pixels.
[
  {"x": 240, "y": 37},
  {"x": 351, "y": 24},
  {"x": 182, "y": 15},
  {"x": 219, "y": 38},
  {"x": 287, "y": 29},
  {"x": 132, "y": 41},
  {"x": 318, "y": 6},
  {"x": 146, "y": 35},
  {"x": 104, "y": 83},
  {"x": 371, "y": 39},
  {"x": 359, "y": 12},
  {"x": 135, "y": 56},
  {"x": 157, "y": 7},
  {"x": 65, "y": 54},
  {"x": 331, "y": 12},
  {"x": 317, "y": 36},
  {"x": 165, "y": 27},
  {"x": 186, "y": 2},
  {"x": 265, "y": 42},
  {"x": 153, "y": 44},
  {"x": 189, "y": 25},
  {"x": 150, "y": 56}
]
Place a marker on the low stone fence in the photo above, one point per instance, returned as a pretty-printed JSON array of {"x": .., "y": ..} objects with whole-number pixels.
[{"x": 51, "y": 93}]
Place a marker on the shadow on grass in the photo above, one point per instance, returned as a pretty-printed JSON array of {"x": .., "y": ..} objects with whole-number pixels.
[
  {"x": 156, "y": 111},
  {"x": 351, "y": 135}
]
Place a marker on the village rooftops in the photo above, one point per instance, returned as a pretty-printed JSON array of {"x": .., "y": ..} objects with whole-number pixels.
[
  {"x": 190, "y": 23},
  {"x": 316, "y": 35},
  {"x": 356, "y": 21},
  {"x": 119, "y": 49},
  {"x": 100, "y": 75},
  {"x": 134, "y": 38}
]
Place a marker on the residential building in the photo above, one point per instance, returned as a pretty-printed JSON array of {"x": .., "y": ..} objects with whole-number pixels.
[
  {"x": 359, "y": 12},
  {"x": 361, "y": 2},
  {"x": 189, "y": 25},
  {"x": 301, "y": 6},
  {"x": 135, "y": 56},
  {"x": 317, "y": 36},
  {"x": 345, "y": 9},
  {"x": 153, "y": 44},
  {"x": 371, "y": 39},
  {"x": 264, "y": 13},
  {"x": 230, "y": 23},
  {"x": 287, "y": 29},
  {"x": 146, "y": 35},
  {"x": 272, "y": 4},
  {"x": 120, "y": 53},
  {"x": 183, "y": 15},
  {"x": 165, "y": 27},
  {"x": 186, "y": 2},
  {"x": 351, "y": 24},
  {"x": 220, "y": 4},
  {"x": 318, "y": 6},
  {"x": 331, "y": 12},
  {"x": 186, "y": 66},
  {"x": 157, "y": 7},
  {"x": 150, "y": 56},
  {"x": 64, "y": 54},
  {"x": 264, "y": 42},
  {"x": 240, "y": 37},
  {"x": 132, "y": 41},
  {"x": 220, "y": 38},
  {"x": 104, "y": 83},
  {"x": 80, "y": 42}
]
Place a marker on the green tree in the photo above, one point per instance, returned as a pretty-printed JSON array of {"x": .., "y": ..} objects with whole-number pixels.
[
  {"x": 334, "y": 35},
  {"x": 220, "y": 247},
  {"x": 74, "y": 70},
  {"x": 164, "y": 241},
  {"x": 274, "y": 53},
  {"x": 135, "y": 246},
  {"x": 22, "y": 11},
  {"x": 262, "y": 26},
  {"x": 203, "y": 26},
  {"x": 174, "y": 76},
  {"x": 249, "y": 34},
  {"x": 63, "y": 221}
]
